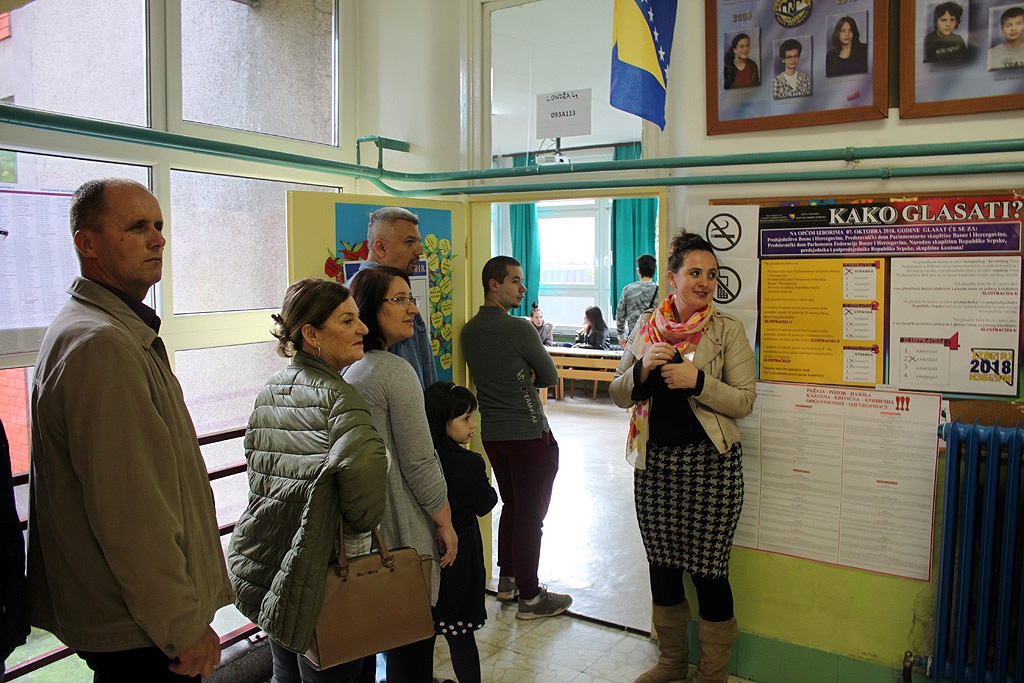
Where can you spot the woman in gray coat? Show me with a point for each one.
(417, 512)
(313, 459)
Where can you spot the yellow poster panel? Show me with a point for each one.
(822, 321)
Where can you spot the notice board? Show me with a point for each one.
(869, 313)
(913, 293)
(327, 238)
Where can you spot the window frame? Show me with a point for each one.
(166, 21)
(601, 212)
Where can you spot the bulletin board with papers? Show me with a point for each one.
(869, 313)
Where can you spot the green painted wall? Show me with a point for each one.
(850, 612)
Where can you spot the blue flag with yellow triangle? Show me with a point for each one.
(641, 47)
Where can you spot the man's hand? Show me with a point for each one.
(199, 659)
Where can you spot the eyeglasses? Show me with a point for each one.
(403, 300)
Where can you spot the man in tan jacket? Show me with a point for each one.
(125, 563)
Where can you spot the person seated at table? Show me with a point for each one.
(594, 333)
(545, 330)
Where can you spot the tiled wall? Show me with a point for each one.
(14, 413)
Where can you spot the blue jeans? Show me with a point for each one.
(292, 668)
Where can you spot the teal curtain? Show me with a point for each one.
(634, 231)
(525, 241)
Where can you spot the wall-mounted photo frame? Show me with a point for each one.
(961, 57)
(793, 63)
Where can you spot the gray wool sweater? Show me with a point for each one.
(501, 350)
(416, 485)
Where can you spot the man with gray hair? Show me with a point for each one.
(124, 558)
(393, 239)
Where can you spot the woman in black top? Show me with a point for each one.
(739, 70)
(594, 333)
(847, 55)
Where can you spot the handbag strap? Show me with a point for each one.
(654, 298)
(341, 568)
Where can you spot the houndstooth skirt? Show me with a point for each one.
(688, 502)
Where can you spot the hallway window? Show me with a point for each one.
(261, 67)
(575, 258)
(229, 241)
(85, 58)
(220, 383)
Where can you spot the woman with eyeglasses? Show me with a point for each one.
(417, 513)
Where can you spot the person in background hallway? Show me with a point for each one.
(688, 375)
(460, 603)
(942, 44)
(545, 330)
(13, 617)
(417, 513)
(636, 297)
(509, 364)
(740, 71)
(313, 460)
(847, 55)
(124, 557)
(594, 333)
(393, 239)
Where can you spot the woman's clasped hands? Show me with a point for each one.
(678, 373)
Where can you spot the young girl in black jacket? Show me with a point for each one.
(460, 603)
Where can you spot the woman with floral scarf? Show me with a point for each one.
(688, 374)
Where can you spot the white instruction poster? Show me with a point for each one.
(842, 475)
(955, 324)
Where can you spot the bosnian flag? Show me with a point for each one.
(641, 46)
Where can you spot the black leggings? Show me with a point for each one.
(412, 663)
(415, 662)
(465, 657)
(713, 595)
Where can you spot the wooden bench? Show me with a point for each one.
(585, 364)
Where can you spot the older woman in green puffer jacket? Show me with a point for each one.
(313, 459)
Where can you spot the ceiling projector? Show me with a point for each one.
(551, 158)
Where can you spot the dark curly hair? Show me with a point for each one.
(683, 244)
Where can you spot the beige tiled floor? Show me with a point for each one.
(562, 649)
(591, 546)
